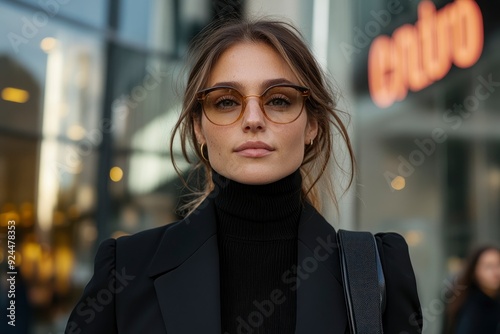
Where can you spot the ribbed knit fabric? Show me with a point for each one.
(257, 235)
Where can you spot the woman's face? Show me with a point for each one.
(488, 271)
(254, 150)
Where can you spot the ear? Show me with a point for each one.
(198, 131)
(311, 130)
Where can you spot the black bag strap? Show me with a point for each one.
(363, 280)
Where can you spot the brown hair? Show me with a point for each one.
(287, 41)
(465, 282)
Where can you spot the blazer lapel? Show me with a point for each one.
(186, 272)
(320, 296)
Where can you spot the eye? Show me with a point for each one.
(280, 101)
(225, 103)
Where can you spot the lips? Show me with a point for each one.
(254, 149)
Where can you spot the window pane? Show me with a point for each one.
(162, 25)
(51, 82)
(53, 210)
(92, 12)
(149, 23)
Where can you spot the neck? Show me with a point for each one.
(257, 232)
(492, 293)
(259, 212)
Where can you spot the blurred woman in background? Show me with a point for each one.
(477, 306)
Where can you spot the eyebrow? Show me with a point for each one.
(262, 86)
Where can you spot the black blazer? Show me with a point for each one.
(166, 280)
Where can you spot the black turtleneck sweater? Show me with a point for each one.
(257, 230)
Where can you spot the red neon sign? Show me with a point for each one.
(418, 55)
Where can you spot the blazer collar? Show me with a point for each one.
(185, 270)
(184, 238)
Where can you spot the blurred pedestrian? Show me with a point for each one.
(476, 308)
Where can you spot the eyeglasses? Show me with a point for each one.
(224, 105)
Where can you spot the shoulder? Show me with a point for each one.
(390, 240)
(139, 248)
(403, 311)
(395, 258)
(134, 250)
(145, 240)
(394, 252)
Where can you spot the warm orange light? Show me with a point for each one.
(64, 260)
(45, 266)
(398, 183)
(15, 95)
(414, 238)
(418, 55)
(9, 215)
(76, 132)
(19, 259)
(32, 253)
(48, 44)
(116, 174)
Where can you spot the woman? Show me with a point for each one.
(476, 309)
(253, 255)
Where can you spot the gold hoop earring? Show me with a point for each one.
(201, 151)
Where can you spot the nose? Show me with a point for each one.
(253, 115)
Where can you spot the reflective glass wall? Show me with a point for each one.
(88, 94)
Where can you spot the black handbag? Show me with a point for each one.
(363, 281)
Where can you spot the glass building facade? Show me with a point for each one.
(90, 90)
(427, 132)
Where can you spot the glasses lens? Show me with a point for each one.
(223, 106)
(282, 104)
